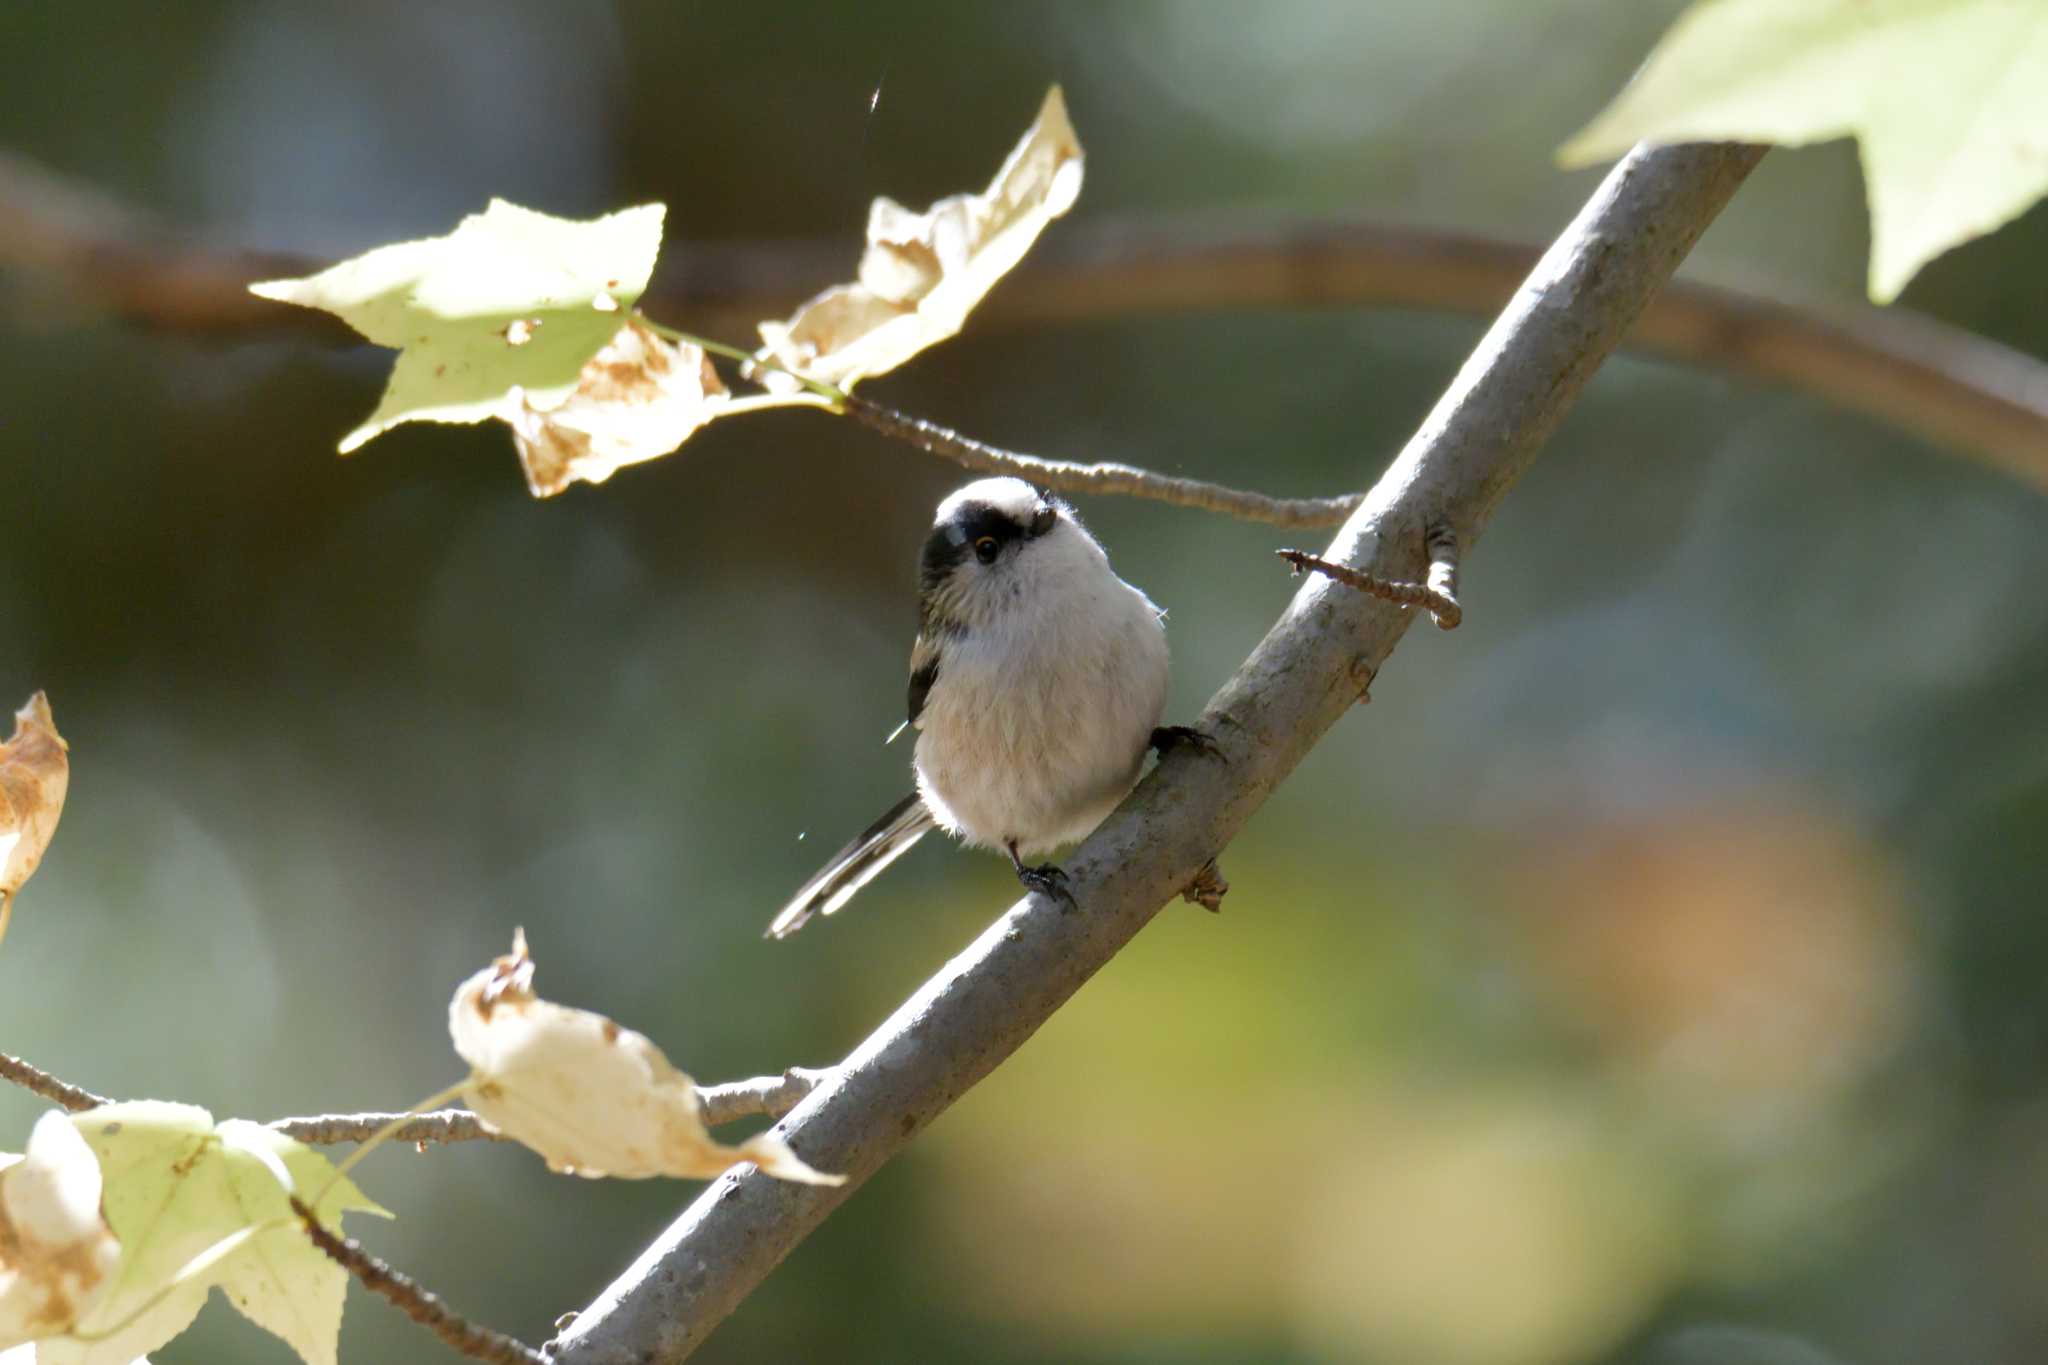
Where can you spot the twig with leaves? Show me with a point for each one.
(585, 1093)
(759, 1097)
(1966, 394)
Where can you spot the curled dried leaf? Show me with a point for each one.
(638, 398)
(922, 273)
(56, 1252)
(35, 772)
(592, 1098)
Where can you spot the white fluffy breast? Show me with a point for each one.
(1038, 721)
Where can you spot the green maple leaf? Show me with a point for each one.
(177, 1185)
(1948, 99)
(508, 307)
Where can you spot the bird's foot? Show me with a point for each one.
(1048, 881)
(1170, 737)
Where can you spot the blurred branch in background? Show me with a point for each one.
(1582, 297)
(1960, 391)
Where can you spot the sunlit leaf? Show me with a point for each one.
(56, 1253)
(1947, 97)
(638, 398)
(923, 272)
(496, 319)
(592, 1098)
(35, 772)
(179, 1186)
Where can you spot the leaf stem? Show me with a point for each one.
(830, 392)
(384, 1134)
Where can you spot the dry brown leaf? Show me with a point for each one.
(637, 399)
(923, 272)
(56, 1252)
(35, 772)
(592, 1098)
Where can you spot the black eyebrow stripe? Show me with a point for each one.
(976, 521)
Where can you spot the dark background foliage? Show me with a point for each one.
(1652, 973)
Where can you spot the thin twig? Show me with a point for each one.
(761, 1097)
(983, 1005)
(1207, 889)
(1443, 608)
(1062, 476)
(58, 1092)
(439, 1125)
(416, 1301)
(758, 1097)
(1442, 543)
(1964, 393)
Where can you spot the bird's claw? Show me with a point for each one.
(1169, 737)
(1048, 881)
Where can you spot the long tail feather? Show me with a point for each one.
(854, 866)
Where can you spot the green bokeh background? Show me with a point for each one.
(1652, 973)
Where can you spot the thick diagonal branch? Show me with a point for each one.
(1582, 297)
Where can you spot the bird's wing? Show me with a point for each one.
(924, 671)
(854, 866)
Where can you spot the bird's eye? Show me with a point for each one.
(985, 549)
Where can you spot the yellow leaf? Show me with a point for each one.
(592, 1098)
(56, 1253)
(1947, 98)
(922, 273)
(35, 772)
(498, 316)
(199, 1205)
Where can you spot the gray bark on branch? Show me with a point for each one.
(1582, 297)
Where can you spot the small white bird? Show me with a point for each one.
(1036, 686)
